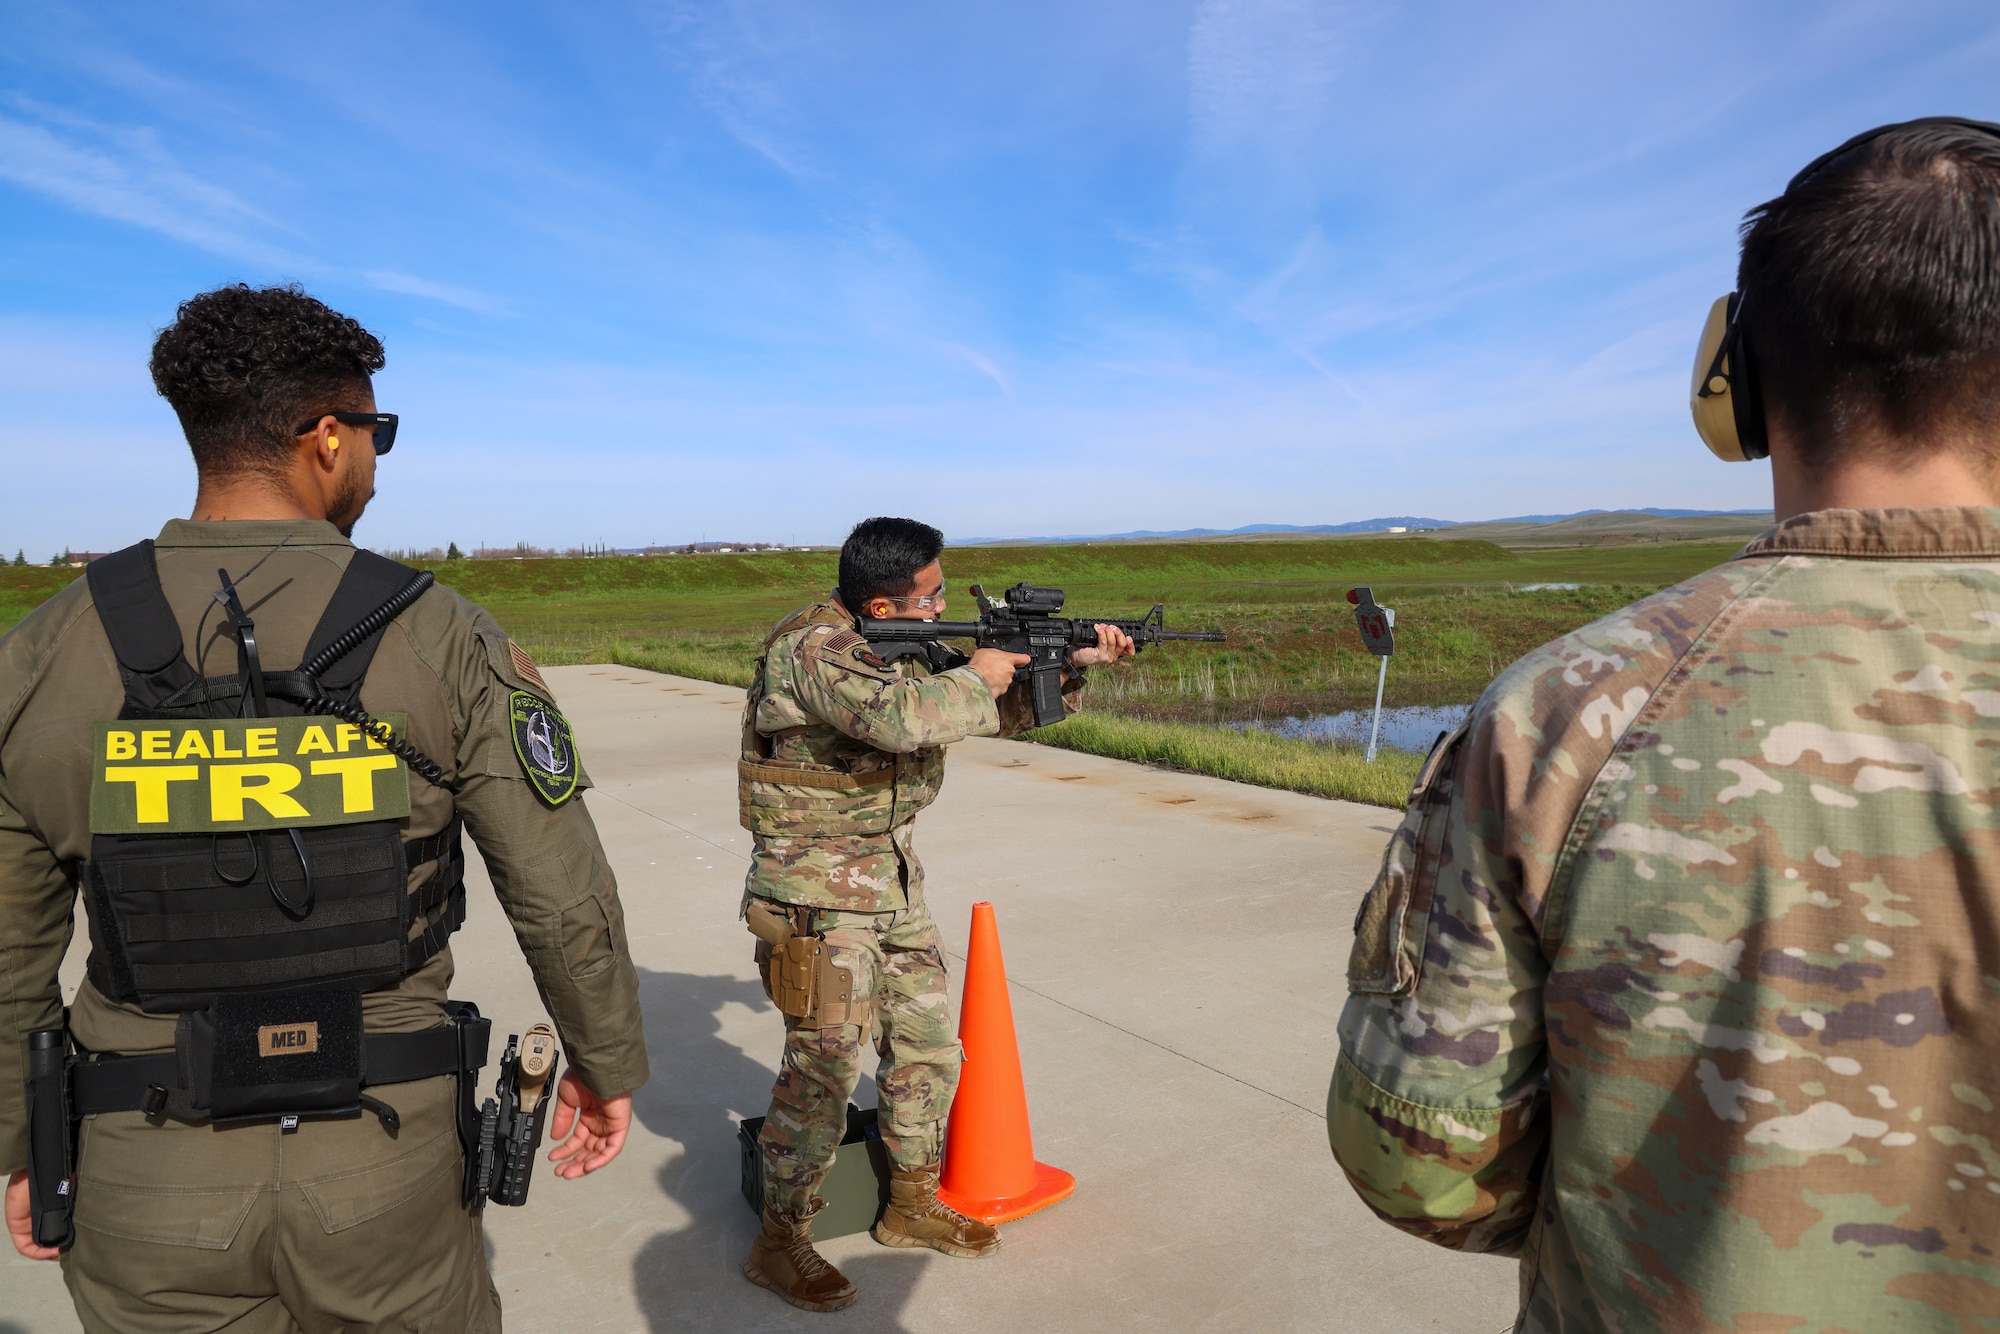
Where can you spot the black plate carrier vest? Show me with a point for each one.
(178, 921)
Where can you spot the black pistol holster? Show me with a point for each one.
(502, 1160)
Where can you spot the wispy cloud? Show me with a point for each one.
(1260, 71)
(982, 363)
(123, 173)
(728, 49)
(462, 297)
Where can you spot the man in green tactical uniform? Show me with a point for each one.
(274, 1127)
(841, 749)
(1681, 980)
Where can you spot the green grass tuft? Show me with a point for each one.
(1243, 757)
(699, 657)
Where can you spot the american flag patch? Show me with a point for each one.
(525, 665)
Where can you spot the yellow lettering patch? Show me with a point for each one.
(225, 775)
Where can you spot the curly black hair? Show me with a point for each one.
(242, 366)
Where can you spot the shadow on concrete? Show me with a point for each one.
(702, 1087)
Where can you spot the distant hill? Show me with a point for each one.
(1601, 526)
(1184, 534)
(1655, 513)
(1620, 522)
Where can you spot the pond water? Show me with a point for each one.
(1412, 729)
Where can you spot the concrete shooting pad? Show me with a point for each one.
(1175, 947)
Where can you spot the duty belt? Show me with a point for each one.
(62, 1088)
(156, 1084)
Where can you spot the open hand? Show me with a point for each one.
(21, 1219)
(600, 1124)
(1112, 644)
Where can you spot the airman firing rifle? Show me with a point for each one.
(1026, 621)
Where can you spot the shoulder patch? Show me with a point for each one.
(525, 665)
(843, 641)
(544, 745)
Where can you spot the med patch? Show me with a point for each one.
(544, 745)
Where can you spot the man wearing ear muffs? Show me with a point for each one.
(1681, 980)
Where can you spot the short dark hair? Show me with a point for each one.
(242, 366)
(1871, 292)
(881, 557)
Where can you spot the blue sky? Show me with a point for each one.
(756, 269)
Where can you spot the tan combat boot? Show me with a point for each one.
(783, 1260)
(917, 1217)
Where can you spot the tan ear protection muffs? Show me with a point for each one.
(1728, 411)
(1727, 405)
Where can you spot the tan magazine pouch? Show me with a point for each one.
(835, 982)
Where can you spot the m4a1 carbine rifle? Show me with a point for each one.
(1027, 621)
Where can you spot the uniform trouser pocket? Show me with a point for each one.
(338, 1225)
(171, 1223)
(171, 1184)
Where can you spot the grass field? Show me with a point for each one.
(1465, 609)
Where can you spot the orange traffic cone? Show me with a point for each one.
(990, 1172)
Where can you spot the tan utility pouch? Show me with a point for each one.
(835, 986)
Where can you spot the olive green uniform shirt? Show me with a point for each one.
(444, 662)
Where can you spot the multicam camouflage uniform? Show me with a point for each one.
(1681, 980)
(840, 752)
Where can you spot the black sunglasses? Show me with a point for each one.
(383, 422)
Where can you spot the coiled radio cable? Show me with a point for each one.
(420, 764)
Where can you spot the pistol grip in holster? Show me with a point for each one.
(509, 1134)
(51, 1139)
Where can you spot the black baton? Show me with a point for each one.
(51, 1139)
